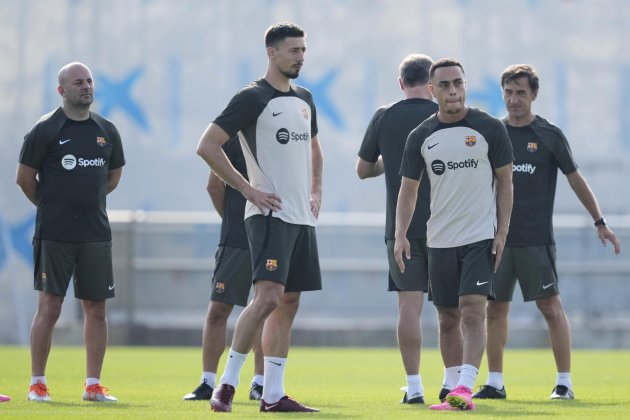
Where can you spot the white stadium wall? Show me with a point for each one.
(164, 70)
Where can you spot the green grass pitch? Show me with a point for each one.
(350, 383)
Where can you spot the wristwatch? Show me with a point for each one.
(600, 222)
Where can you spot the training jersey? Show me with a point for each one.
(540, 148)
(72, 159)
(459, 159)
(232, 225)
(275, 130)
(386, 136)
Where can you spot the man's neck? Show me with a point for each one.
(76, 114)
(417, 92)
(278, 81)
(451, 118)
(522, 121)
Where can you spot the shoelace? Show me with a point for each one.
(96, 389)
(39, 388)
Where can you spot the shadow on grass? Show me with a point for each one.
(80, 404)
(538, 408)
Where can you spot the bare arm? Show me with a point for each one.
(405, 207)
(209, 148)
(505, 199)
(26, 178)
(366, 169)
(587, 198)
(113, 177)
(317, 159)
(216, 190)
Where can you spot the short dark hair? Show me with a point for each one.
(516, 71)
(282, 30)
(414, 70)
(445, 62)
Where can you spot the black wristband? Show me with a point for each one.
(600, 222)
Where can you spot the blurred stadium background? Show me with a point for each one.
(164, 69)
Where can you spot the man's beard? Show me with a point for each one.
(290, 75)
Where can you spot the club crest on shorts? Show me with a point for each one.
(44, 277)
(101, 141)
(532, 146)
(471, 141)
(272, 265)
(219, 287)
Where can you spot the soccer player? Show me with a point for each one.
(381, 152)
(232, 279)
(277, 126)
(540, 148)
(70, 160)
(465, 155)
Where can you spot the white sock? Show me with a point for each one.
(209, 378)
(92, 381)
(233, 368)
(414, 386)
(468, 376)
(495, 379)
(273, 386)
(451, 377)
(564, 378)
(35, 379)
(258, 380)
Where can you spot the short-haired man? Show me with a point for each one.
(231, 282)
(540, 149)
(467, 157)
(381, 152)
(277, 126)
(70, 160)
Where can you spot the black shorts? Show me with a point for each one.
(232, 278)
(416, 275)
(462, 270)
(88, 263)
(535, 269)
(284, 253)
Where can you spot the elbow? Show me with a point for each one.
(361, 174)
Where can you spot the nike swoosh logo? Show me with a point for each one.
(432, 146)
(547, 286)
(64, 141)
(112, 287)
(275, 114)
(270, 406)
(275, 363)
(482, 283)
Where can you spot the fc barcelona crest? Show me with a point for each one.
(305, 113)
(219, 287)
(532, 146)
(272, 265)
(101, 141)
(471, 141)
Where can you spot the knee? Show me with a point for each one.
(472, 314)
(95, 310)
(49, 308)
(290, 302)
(551, 308)
(449, 320)
(218, 312)
(497, 311)
(267, 302)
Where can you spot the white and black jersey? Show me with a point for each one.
(540, 149)
(459, 159)
(275, 130)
